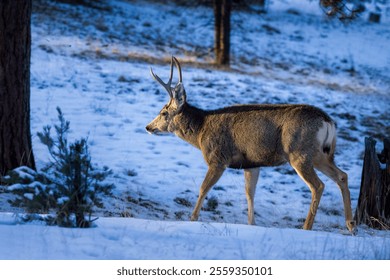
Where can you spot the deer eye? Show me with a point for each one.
(164, 114)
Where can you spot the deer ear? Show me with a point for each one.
(179, 95)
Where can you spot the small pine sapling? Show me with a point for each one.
(78, 183)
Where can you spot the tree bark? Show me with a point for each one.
(225, 32)
(373, 207)
(217, 29)
(15, 48)
(222, 13)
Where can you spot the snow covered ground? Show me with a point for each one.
(94, 63)
(132, 239)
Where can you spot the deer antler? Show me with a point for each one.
(178, 68)
(167, 85)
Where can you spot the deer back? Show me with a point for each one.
(247, 136)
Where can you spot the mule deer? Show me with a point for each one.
(250, 136)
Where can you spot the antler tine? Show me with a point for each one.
(170, 77)
(167, 85)
(178, 68)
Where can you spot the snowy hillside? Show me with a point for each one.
(94, 63)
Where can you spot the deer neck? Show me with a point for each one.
(189, 123)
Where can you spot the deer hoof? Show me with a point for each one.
(351, 225)
(194, 218)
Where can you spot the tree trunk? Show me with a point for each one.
(374, 199)
(217, 29)
(15, 48)
(222, 12)
(225, 32)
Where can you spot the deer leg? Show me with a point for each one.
(309, 176)
(329, 168)
(212, 176)
(251, 177)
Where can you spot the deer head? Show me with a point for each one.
(163, 123)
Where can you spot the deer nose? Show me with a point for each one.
(149, 128)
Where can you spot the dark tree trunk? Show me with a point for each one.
(225, 32)
(15, 48)
(222, 12)
(217, 29)
(374, 199)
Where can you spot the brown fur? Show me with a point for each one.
(251, 136)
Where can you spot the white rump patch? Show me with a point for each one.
(326, 134)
